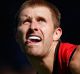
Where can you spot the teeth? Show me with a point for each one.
(34, 37)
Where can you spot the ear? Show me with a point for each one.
(57, 34)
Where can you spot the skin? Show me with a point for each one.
(34, 21)
(75, 62)
(38, 21)
(38, 26)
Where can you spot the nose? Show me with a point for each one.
(34, 26)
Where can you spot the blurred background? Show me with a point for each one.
(10, 53)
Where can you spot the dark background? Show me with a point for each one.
(10, 53)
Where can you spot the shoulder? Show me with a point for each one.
(66, 51)
(67, 45)
(75, 61)
(76, 56)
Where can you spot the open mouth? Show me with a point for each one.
(33, 39)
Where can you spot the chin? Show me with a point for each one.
(35, 53)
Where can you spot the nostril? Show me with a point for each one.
(36, 29)
(30, 31)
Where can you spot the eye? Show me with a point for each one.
(40, 19)
(27, 21)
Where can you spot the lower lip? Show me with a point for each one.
(31, 43)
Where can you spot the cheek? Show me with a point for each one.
(21, 33)
(48, 36)
(22, 28)
(48, 32)
(49, 39)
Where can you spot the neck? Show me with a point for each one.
(44, 65)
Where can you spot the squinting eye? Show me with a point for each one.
(27, 21)
(41, 20)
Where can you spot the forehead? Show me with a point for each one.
(36, 11)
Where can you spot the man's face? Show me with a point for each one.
(36, 30)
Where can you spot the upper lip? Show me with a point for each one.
(33, 35)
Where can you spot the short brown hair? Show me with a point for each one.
(53, 9)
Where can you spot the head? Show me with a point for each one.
(38, 27)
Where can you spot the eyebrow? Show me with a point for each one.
(28, 16)
(38, 17)
(41, 18)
